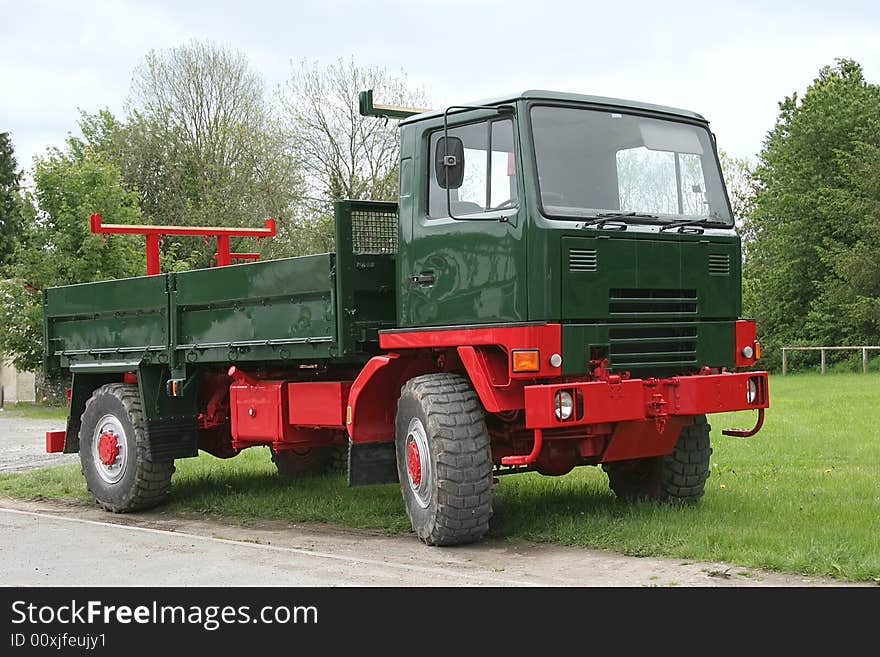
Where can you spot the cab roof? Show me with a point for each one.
(557, 96)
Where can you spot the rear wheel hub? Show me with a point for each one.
(108, 448)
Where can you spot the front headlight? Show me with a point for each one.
(564, 405)
(751, 391)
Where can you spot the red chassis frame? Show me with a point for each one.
(617, 418)
(613, 417)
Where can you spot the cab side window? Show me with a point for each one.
(489, 181)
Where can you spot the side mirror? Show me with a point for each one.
(449, 162)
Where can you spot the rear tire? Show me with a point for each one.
(444, 460)
(679, 477)
(337, 461)
(113, 449)
(309, 461)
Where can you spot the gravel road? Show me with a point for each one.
(23, 444)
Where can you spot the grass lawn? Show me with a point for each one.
(802, 496)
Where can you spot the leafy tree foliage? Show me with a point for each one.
(10, 207)
(209, 148)
(344, 154)
(21, 335)
(737, 173)
(200, 146)
(813, 248)
(57, 247)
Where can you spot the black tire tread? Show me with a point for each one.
(152, 480)
(678, 478)
(463, 458)
(318, 461)
(337, 460)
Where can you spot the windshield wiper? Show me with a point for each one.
(687, 222)
(601, 219)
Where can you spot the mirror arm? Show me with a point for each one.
(501, 109)
(445, 165)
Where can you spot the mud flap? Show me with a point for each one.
(372, 463)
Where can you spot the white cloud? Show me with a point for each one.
(110, 25)
(731, 62)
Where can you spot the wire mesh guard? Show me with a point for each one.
(373, 230)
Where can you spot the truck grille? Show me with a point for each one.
(653, 346)
(582, 260)
(643, 303)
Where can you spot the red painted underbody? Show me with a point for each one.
(286, 414)
(613, 417)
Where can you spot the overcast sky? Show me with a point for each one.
(730, 61)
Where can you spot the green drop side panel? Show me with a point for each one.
(110, 321)
(263, 311)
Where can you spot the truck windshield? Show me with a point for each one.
(594, 163)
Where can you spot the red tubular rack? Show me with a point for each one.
(152, 233)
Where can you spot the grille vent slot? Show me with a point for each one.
(583, 260)
(719, 264)
(653, 346)
(647, 303)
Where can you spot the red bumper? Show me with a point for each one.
(597, 402)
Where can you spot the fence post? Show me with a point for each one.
(784, 362)
(822, 351)
(864, 360)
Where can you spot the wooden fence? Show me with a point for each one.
(822, 350)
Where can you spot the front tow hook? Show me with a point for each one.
(745, 433)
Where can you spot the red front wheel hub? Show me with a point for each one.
(108, 448)
(414, 462)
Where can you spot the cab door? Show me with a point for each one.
(465, 260)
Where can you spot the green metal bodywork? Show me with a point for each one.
(277, 310)
(276, 313)
(514, 265)
(656, 302)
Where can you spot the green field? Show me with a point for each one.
(802, 496)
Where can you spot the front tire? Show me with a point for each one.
(444, 459)
(113, 448)
(679, 477)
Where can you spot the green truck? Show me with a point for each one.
(559, 284)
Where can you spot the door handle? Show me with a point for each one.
(425, 279)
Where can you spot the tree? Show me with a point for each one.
(738, 180)
(57, 247)
(10, 206)
(814, 253)
(21, 326)
(199, 144)
(345, 154)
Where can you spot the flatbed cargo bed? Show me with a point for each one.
(307, 308)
